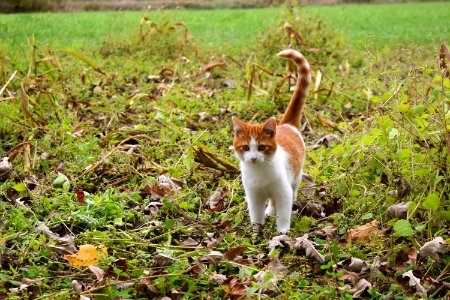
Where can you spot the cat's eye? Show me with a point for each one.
(261, 147)
(245, 148)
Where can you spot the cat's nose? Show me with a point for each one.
(253, 159)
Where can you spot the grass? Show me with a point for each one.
(124, 144)
(382, 25)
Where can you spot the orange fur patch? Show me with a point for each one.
(291, 142)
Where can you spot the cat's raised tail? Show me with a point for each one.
(293, 112)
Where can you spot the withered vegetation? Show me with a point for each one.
(125, 153)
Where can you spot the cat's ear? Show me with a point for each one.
(237, 126)
(270, 127)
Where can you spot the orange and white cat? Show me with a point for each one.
(271, 156)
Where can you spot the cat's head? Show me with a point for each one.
(254, 143)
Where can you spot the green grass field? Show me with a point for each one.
(120, 144)
(381, 25)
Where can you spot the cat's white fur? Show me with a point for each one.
(269, 177)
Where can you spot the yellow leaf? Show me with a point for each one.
(86, 256)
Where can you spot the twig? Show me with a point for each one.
(6, 84)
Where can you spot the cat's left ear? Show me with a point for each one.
(237, 126)
(270, 127)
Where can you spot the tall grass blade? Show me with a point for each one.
(83, 58)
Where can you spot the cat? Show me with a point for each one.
(271, 156)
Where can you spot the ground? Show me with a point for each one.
(118, 181)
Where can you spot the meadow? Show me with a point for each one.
(117, 180)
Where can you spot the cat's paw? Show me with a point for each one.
(270, 211)
(283, 230)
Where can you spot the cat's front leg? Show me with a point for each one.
(283, 204)
(256, 206)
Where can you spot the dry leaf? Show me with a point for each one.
(276, 267)
(317, 84)
(354, 264)
(365, 232)
(86, 256)
(399, 210)
(232, 253)
(327, 122)
(80, 196)
(308, 208)
(218, 278)
(168, 183)
(360, 288)
(78, 288)
(350, 276)
(329, 232)
(99, 273)
(327, 140)
(212, 257)
(5, 167)
(216, 200)
(235, 288)
(152, 209)
(307, 185)
(280, 240)
(212, 242)
(433, 248)
(188, 242)
(415, 282)
(308, 246)
(207, 158)
(162, 260)
(65, 244)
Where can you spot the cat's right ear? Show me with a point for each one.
(237, 126)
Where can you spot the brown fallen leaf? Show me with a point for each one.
(365, 232)
(308, 208)
(188, 242)
(211, 241)
(64, 245)
(280, 241)
(354, 264)
(170, 183)
(360, 288)
(327, 122)
(80, 196)
(213, 257)
(235, 289)
(415, 282)
(216, 200)
(217, 278)
(212, 65)
(405, 259)
(444, 57)
(152, 209)
(208, 159)
(327, 141)
(304, 243)
(162, 260)
(87, 255)
(433, 248)
(232, 253)
(99, 273)
(276, 268)
(5, 167)
(329, 232)
(399, 210)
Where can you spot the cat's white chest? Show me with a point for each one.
(266, 174)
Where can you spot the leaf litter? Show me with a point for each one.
(146, 173)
